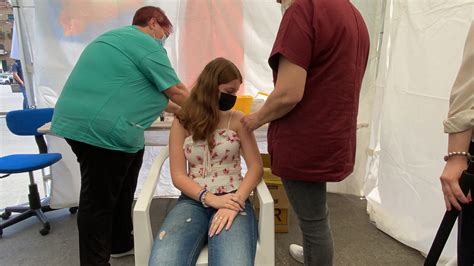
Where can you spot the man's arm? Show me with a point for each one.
(460, 126)
(18, 79)
(177, 94)
(289, 90)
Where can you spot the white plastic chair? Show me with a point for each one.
(143, 236)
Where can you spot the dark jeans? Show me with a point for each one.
(308, 200)
(108, 182)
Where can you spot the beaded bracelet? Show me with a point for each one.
(200, 193)
(203, 198)
(458, 153)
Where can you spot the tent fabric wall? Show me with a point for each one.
(422, 50)
(372, 11)
(254, 36)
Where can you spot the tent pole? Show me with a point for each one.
(379, 44)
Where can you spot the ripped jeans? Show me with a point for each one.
(185, 232)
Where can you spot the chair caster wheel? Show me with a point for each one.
(45, 229)
(73, 210)
(6, 215)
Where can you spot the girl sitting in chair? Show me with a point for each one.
(205, 143)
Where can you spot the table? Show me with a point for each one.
(155, 126)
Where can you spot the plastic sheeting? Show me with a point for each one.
(65, 27)
(422, 50)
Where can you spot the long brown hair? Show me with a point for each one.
(199, 115)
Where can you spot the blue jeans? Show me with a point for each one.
(25, 99)
(308, 200)
(185, 232)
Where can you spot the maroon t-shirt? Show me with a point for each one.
(316, 140)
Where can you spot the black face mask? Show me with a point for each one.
(226, 101)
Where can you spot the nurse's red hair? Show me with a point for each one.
(144, 14)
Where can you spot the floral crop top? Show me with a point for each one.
(219, 169)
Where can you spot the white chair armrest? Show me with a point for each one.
(142, 232)
(266, 227)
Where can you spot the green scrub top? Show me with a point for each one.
(115, 91)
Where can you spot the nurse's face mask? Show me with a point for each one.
(157, 31)
(161, 41)
(226, 101)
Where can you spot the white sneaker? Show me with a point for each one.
(296, 251)
(126, 253)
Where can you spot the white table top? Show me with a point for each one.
(155, 126)
(158, 133)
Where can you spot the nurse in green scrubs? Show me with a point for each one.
(121, 83)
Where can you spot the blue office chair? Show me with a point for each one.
(25, 123)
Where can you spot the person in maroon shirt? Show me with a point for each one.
(318, 61)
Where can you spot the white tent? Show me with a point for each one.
(416, 48)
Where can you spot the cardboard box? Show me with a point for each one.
(280, 199)
(275, 186)
(266, 160)
(282, 219)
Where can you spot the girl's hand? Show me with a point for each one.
(229, 201)
(239, 200)
(222, 218)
